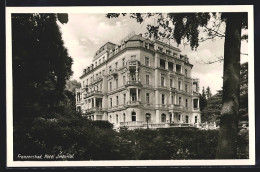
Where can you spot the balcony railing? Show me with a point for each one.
(113, 72)
(133, 83)
(132, 123)
(171, 72)
(94, 109)
(133, 103)
(172, 89)
(93, 93)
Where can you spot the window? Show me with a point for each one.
(178, 68)
(123, 62)
(124, 98)
(179, 100)
(162, 63)
(186, 72)
(104, 72)
(160, 49)
(186, 103)
(110, 84)
(170, 66)
(171, 83)
(147, 61)
(100, 87)
(99, 62)
(187, 119)
(133, 116)
(97, 76)
(179, 85)
(123, 80)
(124, 117)
(86, 83)
(103, 58)
(116, 65)
(116, 118)
(116, 82)
(147, 79)
(162, 81)
(195, 103)
(111, 103)
(147, 98)
(110, 69)
(117, 101)
(186, 87)
(172, 100)
(163, 118)
(96, 64)
(163, 97)
(196, 119)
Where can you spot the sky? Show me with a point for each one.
(84, 34)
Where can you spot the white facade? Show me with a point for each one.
(138, 84)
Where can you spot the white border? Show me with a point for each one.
(129, 9)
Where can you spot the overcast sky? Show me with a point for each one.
(84, 34)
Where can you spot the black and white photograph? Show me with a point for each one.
(130, 86)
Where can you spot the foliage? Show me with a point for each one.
(41, 66)
(203, 100)
(212, 111)
(174, 143)
(208, 92)
(243, 108)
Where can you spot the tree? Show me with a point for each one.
(211, 113)
(208, 93)
(203, 100)
(41, 66)
(180, 26)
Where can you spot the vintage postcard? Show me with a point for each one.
(130, 86)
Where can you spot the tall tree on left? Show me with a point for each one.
(41, 65)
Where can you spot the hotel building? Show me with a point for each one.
(138, 84)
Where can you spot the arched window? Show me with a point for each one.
(116, 118)
(124, 117)
(163, 118)
(133, 116)
(187, 119)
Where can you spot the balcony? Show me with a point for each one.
(133, 103)
(171, 72)
(178, 106)
(93, 110)
(162, 106)
(172, 89)
(196, 109)
(133, 83)
(93, 93)
(132, 64)
(113, 72)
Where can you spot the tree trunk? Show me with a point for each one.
(227, 139)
